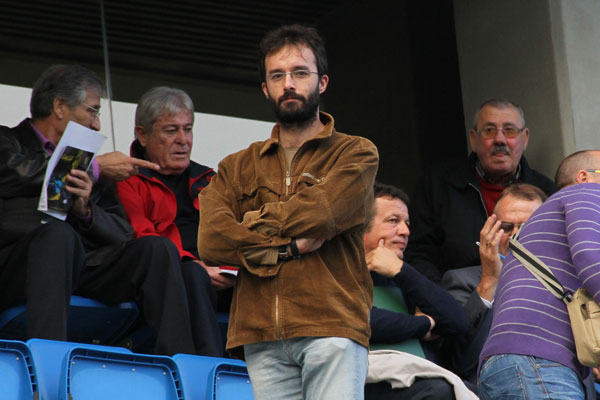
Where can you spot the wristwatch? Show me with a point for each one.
(283, 253)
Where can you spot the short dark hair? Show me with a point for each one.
(292, 35)
(390, 191)
(523, 191)
(566, 173)
(66, 82)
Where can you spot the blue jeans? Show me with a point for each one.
(514, 376)
(307, 368)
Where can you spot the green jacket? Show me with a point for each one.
(327, 194)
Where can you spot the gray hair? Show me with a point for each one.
(70, 83)
(161, 100)
(499, 103)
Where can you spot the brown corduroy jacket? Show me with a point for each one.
(326, 194)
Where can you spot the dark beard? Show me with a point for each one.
(297, 115)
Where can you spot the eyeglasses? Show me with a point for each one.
(94, 112)
(295, 75)
(509, 131)
(508, 227)
(595, 171)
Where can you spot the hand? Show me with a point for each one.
(428, 336)
(306, 245)
(218, 280)
(384, 261)
(117, 166)
(491, 264)
(80, 185)
(596, 373)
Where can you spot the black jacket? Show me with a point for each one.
(23, 164)
(418, 291)
(447, 212)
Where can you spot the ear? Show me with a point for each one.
(58, 106)
(582, 176)
(265, 89)
(323, 82)
(141, 135)
(472, 136)
(526, 133)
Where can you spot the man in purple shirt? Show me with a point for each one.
(92, 253)
(530, 352)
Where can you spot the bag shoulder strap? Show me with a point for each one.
(540, 270)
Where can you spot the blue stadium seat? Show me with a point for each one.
(48, 358)
(69, 370)
(89, 321)
(214, 378)
(98, 374)
(18, 376)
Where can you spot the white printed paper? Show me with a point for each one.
(76, 136)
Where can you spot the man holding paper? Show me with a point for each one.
(92, 253)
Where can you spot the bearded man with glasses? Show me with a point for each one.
(454, 199)
(290, 211)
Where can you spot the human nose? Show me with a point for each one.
(499, 137)
(288, 81)
(95, 124)
(181, 136)
(403, 229)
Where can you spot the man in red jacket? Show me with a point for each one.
(165, 202)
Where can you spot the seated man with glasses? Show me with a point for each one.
(43, 260)
(454, 199)
(474, 287)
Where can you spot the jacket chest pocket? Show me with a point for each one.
(308, 179)
(261, 190)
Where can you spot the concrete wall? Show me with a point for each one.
(581, 40)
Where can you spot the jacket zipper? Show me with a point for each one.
(480, 198)
(288, 183)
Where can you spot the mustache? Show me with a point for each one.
(500, 148)
(290, 95)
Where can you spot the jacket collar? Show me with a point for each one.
(462, 178)
(327, 131)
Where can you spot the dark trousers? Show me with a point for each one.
(40, 270)
(174, 300)
(428, 388)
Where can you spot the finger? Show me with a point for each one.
(78, 188)
(137, 162)
(489, 223)
(489, 235)
(497, 237)
(381, 242)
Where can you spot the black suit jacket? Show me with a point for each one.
(23, 164)
(462, 351)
